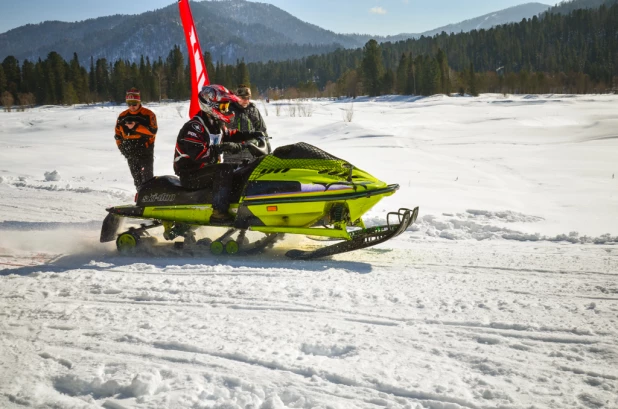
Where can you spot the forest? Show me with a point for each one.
(554, 53)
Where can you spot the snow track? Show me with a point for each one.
(477, 331)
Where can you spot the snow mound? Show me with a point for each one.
(480, 225)
(331, 351)
(142, 384)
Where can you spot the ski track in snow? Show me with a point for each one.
(142, 332)
(496, 298)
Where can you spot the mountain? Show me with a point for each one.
(229, 30)
(487, 21)
(289, 29)
(510, 15)
(566, 7)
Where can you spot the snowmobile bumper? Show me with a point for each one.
(113, 221)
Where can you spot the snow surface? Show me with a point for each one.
(502, 295)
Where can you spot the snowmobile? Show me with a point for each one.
(296, 189)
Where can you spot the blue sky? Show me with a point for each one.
(381, 17)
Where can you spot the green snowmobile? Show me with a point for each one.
(297, 189)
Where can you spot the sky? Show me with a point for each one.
(378, 17)
(459, 311)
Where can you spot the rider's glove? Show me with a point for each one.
(229, 147)
(258, 134)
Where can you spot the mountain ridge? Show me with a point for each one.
(230, 30)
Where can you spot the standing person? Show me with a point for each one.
(247, 118)
(135, 132)
(199, 144)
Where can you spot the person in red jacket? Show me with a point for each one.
(200, 143)
(135, 133)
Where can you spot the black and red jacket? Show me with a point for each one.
(198, 141)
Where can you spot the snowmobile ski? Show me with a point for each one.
(362, 238)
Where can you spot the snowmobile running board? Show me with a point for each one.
(363, 238)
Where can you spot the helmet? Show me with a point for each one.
(215, 101)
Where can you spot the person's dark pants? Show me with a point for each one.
(218, 177)
(141, 168)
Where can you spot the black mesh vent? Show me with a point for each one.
(301, 156)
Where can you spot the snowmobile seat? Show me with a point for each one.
(167, 191)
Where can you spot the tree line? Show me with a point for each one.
(555, 53)
(563, 53)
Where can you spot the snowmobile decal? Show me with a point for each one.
(159, 197)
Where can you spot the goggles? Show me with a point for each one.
(224, 106)
(132, 104)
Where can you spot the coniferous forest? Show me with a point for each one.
(555, 53)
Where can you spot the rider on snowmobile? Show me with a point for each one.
(200, 143)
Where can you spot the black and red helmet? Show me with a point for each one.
(215, 101)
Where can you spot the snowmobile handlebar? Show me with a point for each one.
(257, 149)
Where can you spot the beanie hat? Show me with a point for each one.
(243, 91)
(133, 95)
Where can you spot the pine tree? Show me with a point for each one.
(445, 81)
(12, 74)
(138, 81)
(69, 94)
(401, 86)
(372, 68)
(143, 80)
(219, 75)
(39, 75)
(412, 70)
(102, 80)
(119, 81)
(151, 81)
(210, 68)
(55, 68)
(92, 81)
(79, 78)
(387, 82)
(28, 77)
(2, 80)
(422, 79)
(159, 72)
(349, 84)
(177, 78)
(242, 74)
(230, 77)
(472, 81)
(433, 77)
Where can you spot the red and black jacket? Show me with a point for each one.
(198, 141)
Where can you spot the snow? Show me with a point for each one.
(502, 295)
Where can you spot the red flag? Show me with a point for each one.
(199, 75)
